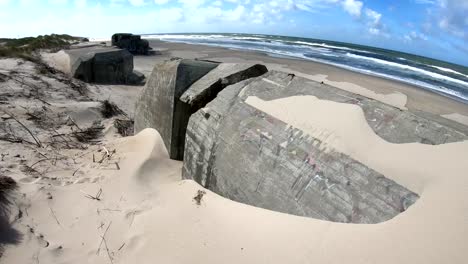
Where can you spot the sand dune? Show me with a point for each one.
(147, 214)
(152, 217)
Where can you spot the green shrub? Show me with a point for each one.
(24, 47)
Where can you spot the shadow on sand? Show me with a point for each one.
(8, 235)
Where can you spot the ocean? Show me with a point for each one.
(441, 77)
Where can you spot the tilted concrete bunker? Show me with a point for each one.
(133, 43)
(103, 65)
(166, 93)
(251, 157)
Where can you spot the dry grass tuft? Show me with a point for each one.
(109, 109)
(90, 134)
(124, 127)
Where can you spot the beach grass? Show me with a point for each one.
(25, 47)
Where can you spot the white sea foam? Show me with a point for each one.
(328, 46)
(235, 43)
(248, 38)
(448, 70)
(407, 67)
(177, 36)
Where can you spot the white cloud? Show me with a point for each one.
(28, 3)
(80, 3)
(192, 3)
(353, 7)
(137, 2)
(373, 16)
(414, 36)
(117, 3)
(192, 16)
(427, 2)
(453, 17)
(373, 22)
(58, 2)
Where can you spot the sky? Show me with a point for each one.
(432, 28)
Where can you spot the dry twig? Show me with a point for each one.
(55, 217)
(26, 128)
(96, 197)
(103, 236)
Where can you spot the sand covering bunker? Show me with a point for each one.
(429, 232)
(152, 216)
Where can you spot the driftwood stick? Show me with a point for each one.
(108, 155)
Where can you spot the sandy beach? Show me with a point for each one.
(122, 200)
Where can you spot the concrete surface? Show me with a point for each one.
(248, 156)
(206, 89)
(159, 106)
(103, 65)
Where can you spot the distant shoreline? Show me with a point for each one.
(419, 99)
(346, 67)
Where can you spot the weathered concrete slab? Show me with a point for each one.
(102, 65)
(159, 106)
(248, 156)
(206, 89)
(133, 43)
(390, 123)
(179, 88)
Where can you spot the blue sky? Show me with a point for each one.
(434, 28)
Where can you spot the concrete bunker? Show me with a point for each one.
(179, 88)
(103, 65)
(248, 156)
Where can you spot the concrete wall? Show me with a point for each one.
(159, 106)
(248, 156)
(179, 88)
(102, 65)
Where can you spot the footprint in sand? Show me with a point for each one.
(42, 242)
(39, 237)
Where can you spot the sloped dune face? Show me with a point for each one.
(148, 214)
(177, 229)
